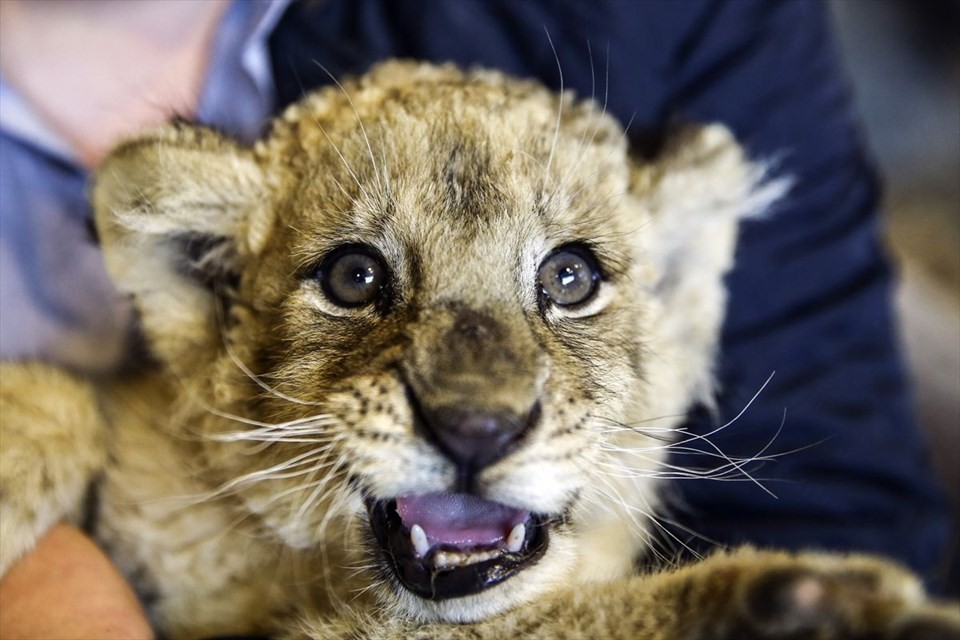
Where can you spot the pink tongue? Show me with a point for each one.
(459, 519)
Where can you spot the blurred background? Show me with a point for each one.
(903, 57)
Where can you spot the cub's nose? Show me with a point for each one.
(476, 439)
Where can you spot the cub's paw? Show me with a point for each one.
(831, 597)
(52, 434)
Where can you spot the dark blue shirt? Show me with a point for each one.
(810, 295)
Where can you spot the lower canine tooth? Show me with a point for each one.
(515, 539)
(419, 540)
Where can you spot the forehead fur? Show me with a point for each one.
(421, 157)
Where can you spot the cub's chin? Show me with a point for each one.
(459, 557)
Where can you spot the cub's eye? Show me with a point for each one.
(569, 276)
(353, 276)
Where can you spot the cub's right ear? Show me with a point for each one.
(178, 211)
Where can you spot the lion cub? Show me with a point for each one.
(395, 347)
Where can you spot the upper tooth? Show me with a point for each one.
(515, 539)
(419, 540)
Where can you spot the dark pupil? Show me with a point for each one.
(567, 275)
(364, 275)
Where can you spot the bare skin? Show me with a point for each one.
(93, 599)
(94, 71)
(97, 71)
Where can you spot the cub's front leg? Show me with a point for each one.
(744, 595)
(766, 595)
(52, 443)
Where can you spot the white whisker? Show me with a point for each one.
(363, 130)
(556, 132)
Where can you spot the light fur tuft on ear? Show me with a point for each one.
(696, 192)
(174, 209)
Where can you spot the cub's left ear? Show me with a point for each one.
(178, 211)
(696, 192)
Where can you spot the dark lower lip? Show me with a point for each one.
(427, 581)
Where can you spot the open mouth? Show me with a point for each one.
(447, 545)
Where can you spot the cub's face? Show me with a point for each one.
(430, 308)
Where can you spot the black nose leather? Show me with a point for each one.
(476, 439)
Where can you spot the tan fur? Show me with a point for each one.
(230, 474)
